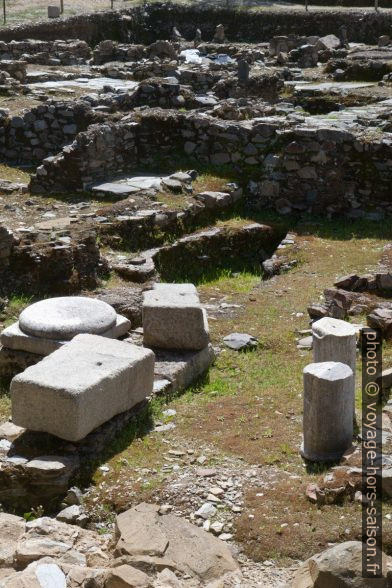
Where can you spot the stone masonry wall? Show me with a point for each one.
(103, 150)
(30, 264)
(44, 52)
(147, 23)
(287, 167)
(245, 26)
(38, 133)
(92, 28)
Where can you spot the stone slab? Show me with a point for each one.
(181, 369)
(14, 338)
(64, 317)
(55, 224)
(173, 318)
(81, 386)
(115, 189)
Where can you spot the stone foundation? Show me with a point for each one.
(312, 166)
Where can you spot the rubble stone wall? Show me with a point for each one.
(287, 167)
(147, 23)
(92, 28)
(31, 265)
(38, 133)
(104, 150)
(245, 26)
(42, 52)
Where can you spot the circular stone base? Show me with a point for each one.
(63, 318)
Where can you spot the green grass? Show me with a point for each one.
(16, 304)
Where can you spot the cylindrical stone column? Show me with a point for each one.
(328, 411)
(334, 340)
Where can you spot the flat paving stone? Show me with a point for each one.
(115, 189)
(64, 317)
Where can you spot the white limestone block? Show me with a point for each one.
(173, 318)
(81, 386)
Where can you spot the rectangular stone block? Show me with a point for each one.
(53, 12)
(81, 386)
(173, 318)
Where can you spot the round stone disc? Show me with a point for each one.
(63, 318)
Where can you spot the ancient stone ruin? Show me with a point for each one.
(182, 188)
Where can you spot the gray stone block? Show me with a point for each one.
(173, 318)
(53, 12)
(81, 386)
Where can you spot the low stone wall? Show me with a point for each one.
(34, 264)
(196, 256)
(321, 170)
(111, 51)
(145, 24)
(7, 241)
(38, 133)
(16, 69)
(102, 151)
(157, 21)
(46, 52)
(290, 166)
(92, 28)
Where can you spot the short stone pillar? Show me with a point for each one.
(197, 40)
(243, 71)
(176, 35)
(328, 411)
(334, 340)
(53, 12)
(219, 36)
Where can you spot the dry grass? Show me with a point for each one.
(13, 174)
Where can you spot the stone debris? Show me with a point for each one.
(340, 566)
(240, 341)
(142, 531)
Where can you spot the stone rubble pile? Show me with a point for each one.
(165, 550)
(354, 295)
